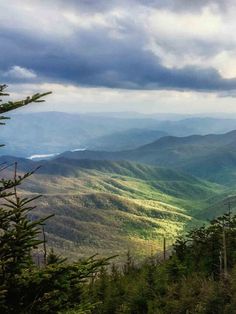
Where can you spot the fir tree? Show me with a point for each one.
(24, 287)
(18, 235)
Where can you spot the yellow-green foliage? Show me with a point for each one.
(111, 207)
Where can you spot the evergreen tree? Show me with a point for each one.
(24, 287)
(190, 281)
(18, 235)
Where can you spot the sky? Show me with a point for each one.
(176, 56)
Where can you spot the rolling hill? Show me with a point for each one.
(110, 207)
(113, 201)
(211, 157)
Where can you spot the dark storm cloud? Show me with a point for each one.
(174, 5)
(93, 58)
(98, 56)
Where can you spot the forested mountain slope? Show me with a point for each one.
(109, 207)
(211, 157)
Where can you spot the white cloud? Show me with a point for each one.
(17, 72)
(179, 38)
(175, 25)
(69, 98)
(85, 21)
(202, 37)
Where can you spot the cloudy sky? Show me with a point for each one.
(118, 55)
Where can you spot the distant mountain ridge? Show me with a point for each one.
(211, 157)
(55, 132)
(130, 139)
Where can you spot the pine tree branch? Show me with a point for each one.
(11, 105)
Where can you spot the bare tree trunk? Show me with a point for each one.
(164, 248)
(224, 253)
(44, 247)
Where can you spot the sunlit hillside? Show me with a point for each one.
(111, 207)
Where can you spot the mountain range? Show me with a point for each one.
(55, 132)
(211, 157)
(109, 207)
(136, 185)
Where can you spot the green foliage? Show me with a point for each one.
(204, 248)
(53, 258)
(12, 105)
(125, 204)
(198, 277)
(185, 283)
(52, 288)
(211, 157)
(24, 287)
(18, 235)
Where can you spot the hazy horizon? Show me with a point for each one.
(131, 114)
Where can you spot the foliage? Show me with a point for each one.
(127, 205)
(198, 277)
(25, 287)
(204, 248)
(18, 235)
(52, 288)
(12, 105)
(190, 281)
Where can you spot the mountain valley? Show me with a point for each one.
(111, 207)
(114, 200)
